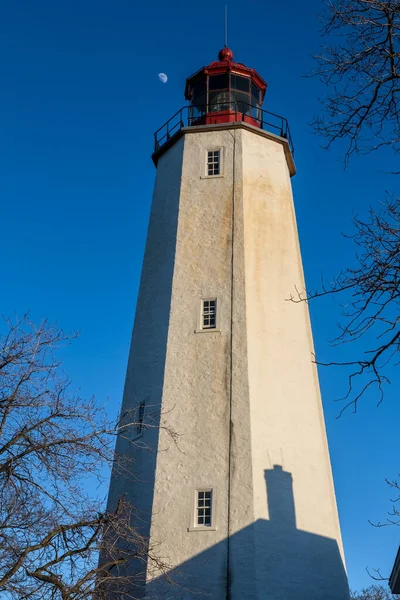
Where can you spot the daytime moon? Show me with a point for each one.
(162, 77)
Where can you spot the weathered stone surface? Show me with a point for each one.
(245, 399)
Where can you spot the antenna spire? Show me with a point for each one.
(226, 25)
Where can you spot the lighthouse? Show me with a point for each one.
(233, 486)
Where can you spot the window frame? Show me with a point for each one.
(194, 526)
(200, 316)
(209, 313)
(205, 174)
(140, 415)
(215, 163)
(209, 84)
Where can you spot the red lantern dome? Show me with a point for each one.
(218, 92)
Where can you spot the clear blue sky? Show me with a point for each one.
(80, 100)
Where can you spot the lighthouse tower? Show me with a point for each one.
(233, 485)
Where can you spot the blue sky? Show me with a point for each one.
(80, 101)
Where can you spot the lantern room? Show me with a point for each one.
(219, 92)
(224, 92)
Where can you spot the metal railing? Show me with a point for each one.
(233, 112)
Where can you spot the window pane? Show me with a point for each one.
(199, 89)
(256, 110)
(219, 101)
(218, 82)
(255, 91)
(241, 102)
(200, 102)
(240, 83)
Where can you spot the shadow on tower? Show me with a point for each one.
(268, 560)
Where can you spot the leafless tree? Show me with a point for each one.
(360, 66)
(52, 443)
(393, 516)
(370, 304)
(374, 592)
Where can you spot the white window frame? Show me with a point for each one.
(194, 515)
(200, 314)
(205, 175)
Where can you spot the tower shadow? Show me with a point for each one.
(268, 560)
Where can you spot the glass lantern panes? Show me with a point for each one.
(225, 93)
(240, 83)
(240, 101)
(203, 508)
(219, 101)
(256, 112)
(199, 98)
(199, 106)
(255, 92)
(199, 89)
(218, 82)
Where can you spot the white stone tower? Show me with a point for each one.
(243, 506)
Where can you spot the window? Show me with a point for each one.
(203, 512)
(213, 162)
(218, 82)
(199, 98)
(241, 102)
(213, 165)
(219, 101)
(209, 314)
(240, 83)
(139, 425)
(203, 508)
(208, 311)
(255, 92)
(199, 89)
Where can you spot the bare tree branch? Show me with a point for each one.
(57, 541)
(360, 65)
(393, 516)
(370, 301)
(374, 592)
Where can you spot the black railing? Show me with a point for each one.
(229, 112)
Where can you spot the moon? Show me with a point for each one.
(162, 77)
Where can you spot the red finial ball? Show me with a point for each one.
(225, 54)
